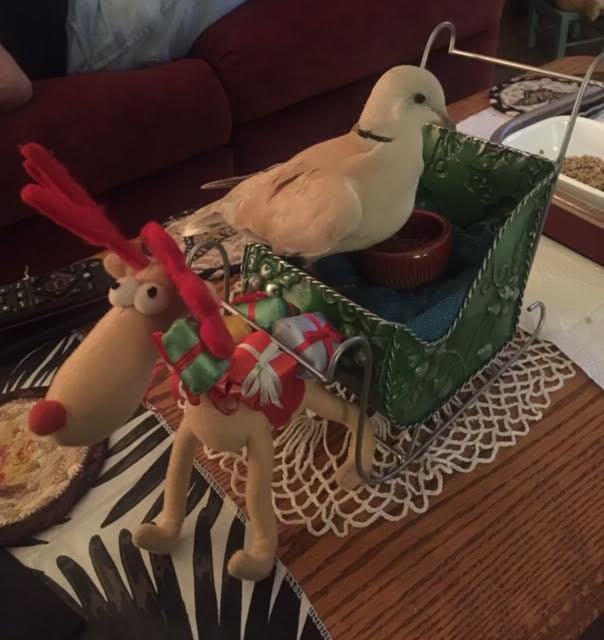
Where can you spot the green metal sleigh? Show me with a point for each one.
(384, 363)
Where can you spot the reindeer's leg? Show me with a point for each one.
(256, 562)
(330, 407)
(163, 537)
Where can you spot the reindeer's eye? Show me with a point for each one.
(122, 291)
(419, 98)
(151, 298)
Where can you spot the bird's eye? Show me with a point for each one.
(121, 293)
(419, 98)
(151, 299)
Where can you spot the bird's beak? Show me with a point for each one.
(446, 119)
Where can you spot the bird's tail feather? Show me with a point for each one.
(225, 183)
(233, 181)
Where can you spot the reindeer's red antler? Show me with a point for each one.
(192, 289)
(59, 197)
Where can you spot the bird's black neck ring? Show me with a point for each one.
(366, 133)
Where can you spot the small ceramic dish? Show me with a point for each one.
(414, 256)
(544, 138)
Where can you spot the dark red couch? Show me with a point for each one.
(262, 83)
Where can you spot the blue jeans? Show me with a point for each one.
(130, 34)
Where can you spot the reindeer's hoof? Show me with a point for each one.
(245, 566)
(155, 539)
(347, 476)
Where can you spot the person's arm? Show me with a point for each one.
(15, 86)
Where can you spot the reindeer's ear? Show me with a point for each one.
(115, 266)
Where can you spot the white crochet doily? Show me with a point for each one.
(307, 453)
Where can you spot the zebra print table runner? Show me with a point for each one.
(124, 592)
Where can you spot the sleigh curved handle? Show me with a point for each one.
(226, 263)
(586, 81)
(519, 66)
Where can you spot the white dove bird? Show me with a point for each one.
(345, 194)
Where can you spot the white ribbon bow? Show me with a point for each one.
(263, 377)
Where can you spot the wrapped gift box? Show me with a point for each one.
(263, 377)
(264, 310)
(183, 350)
(311, 336)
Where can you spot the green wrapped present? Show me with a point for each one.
(183, 350)
(264, 310)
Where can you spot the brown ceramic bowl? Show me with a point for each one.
(414, 256)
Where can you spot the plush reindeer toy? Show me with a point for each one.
(102, 383)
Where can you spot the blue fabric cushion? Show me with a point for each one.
(430, 310)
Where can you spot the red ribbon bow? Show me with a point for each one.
(226, 395)
(322, 332)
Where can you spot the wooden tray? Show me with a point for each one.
(576, 225)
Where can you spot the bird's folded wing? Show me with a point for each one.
(294, 209)
(304, 214)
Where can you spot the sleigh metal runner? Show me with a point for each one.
(383, 363)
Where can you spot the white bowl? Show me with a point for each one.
(545, 138)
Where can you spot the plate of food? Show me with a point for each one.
(527, 93)
(582, 173)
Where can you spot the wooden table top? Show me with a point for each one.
(513, 550)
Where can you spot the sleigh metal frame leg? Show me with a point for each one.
(416, 448)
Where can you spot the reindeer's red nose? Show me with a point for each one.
(46, 417)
